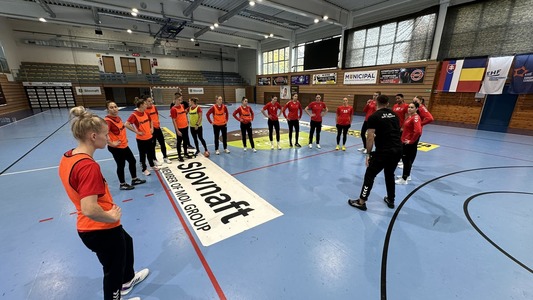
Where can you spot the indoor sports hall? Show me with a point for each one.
(274, 223)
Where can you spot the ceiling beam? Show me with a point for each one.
(46, 8)
(187, 11)
(233, 12)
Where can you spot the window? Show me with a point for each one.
(4, 68)
(276, 61)
(395, 42)
(300, 50)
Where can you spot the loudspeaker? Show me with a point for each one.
(98, 32)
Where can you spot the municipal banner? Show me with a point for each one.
(449, 75)
(496, 75)
(522, 80)
(361, 77)
(216, 205)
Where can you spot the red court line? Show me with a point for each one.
(73, 213)
(127, 200)
(44, 220)
(287, 161)
(212, 277)
(148, 195)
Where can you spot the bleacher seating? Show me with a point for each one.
(57, 72)
(228, 78)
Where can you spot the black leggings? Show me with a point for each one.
(408, 157)
(318, 126)
(247, 129)
(296, 125)
(344, 130)
(158, 136)
(198, 134)
(378, 162)
(273, 125)
(146, 149)
(121, 155)
(183, 139)
(217, 129)
(363, 133)
(114, 249)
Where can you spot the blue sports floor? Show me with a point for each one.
(461, 228)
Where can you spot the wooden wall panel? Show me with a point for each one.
(523, 113)
(210, 92)
(456, 108)
(333, 94)
(15, 96)
(90, 100)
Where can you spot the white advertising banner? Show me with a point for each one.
(47, 84)
(216, 205)
(496, 75)
(88, 90)
(361, 77)
(196, 91)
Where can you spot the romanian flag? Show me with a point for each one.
(471, 75)
(449, 75)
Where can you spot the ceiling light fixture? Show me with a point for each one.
(252, 3)
(266, 36)
(239, 45)
(192, 39)
(216, 24)
(325, 17)
(129, 31)
(271, 35)
(317, 20)
(42, 19)
(134, 10)
(133, 13)
(212, 27)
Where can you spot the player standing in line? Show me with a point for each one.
(220, 114)
(245, 115)
(273, 111)
(293, 118)
(318, 110)
(412, 129)
(140, 123)
(343, 122)
(152, 111)
(195, 118)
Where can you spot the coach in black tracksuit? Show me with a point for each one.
(384, 129)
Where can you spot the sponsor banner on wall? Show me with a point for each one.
(300, 79)
(402, 75)
(280, 80)
(88, 90)
(284, 92)
(522, 80)
(496, 75)
(325, 78)
(263, 81)
(47, 83)
(361, 77)
(294, 90)
(216, 205)
(196, 91)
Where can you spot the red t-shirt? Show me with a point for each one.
(133, 120)
(412, 129)
(400, 110)
(272, 110)
(425, 115)
(112, 126)
(369, 109)
(245, 115)
(344, 115)
(295, 110)
(86, 178)
(317, 108)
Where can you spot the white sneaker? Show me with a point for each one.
(139, 276)
(157, 163)
(361, 149)
(271, 146)
(134, 298)
(226, 150)
(401, 181)
(400, 163)
(253, 149)
(318, 146)
(217, 152)
(400, 176)
(279, 147)
(310, 146)
(244, 149)
(146, 172)
(167, 160)
(155, 168)
(400, 166)
(365, 152)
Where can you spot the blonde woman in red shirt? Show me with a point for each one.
(245, 115)
(98, 222)
(343, 120)
(293, 118)
(139, 122)
(117, 144)
(412, 130)
(220, 114)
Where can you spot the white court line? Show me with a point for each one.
(42, 169)
(24, 118)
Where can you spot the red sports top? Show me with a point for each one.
(295, 110)
(141, 121)
(425, 115)
(220, 115)
(179, 116)
(246, 115)
(81, 177)
(272, 110)
(401, 111)
(370, 108)
(412, 129)
(117, 131)
(317, 108)
(153, 113)
(344, 115)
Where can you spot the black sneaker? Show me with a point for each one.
(180, 159)
(390, 204)
(298, 145)
(137, 181)
(290, 145)
(187, 156)
(356, 204)
(126, 187)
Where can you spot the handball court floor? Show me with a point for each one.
(461, 229)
